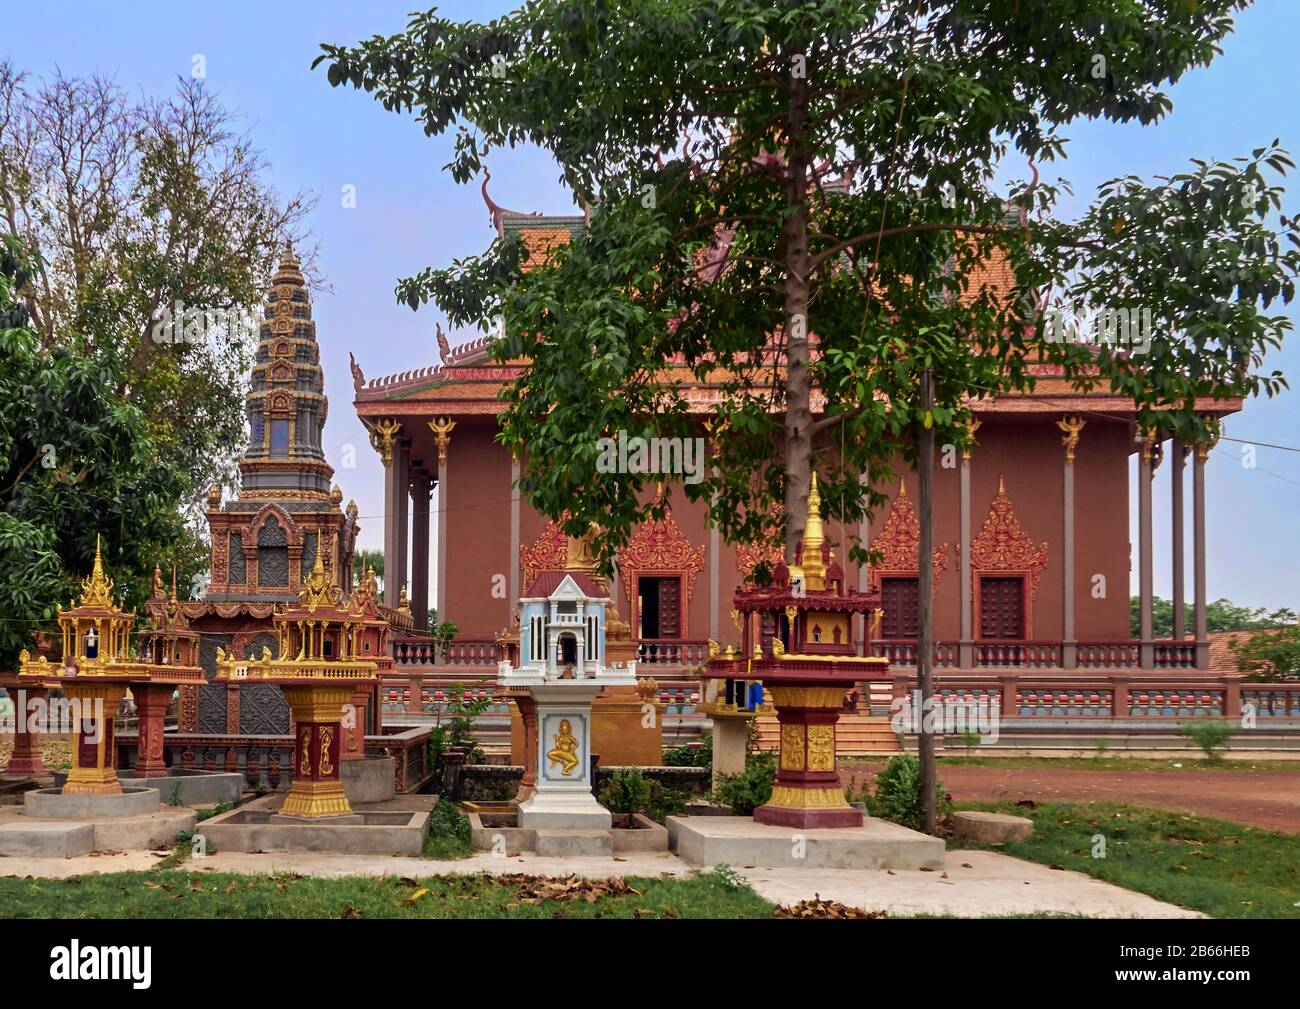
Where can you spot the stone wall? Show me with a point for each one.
(499, 782)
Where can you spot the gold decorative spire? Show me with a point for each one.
(317, 590)
(814, 570)
(97, 590)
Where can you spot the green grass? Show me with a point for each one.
(177, 894)
(1226, 870)
(1190, 762)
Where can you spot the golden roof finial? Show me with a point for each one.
(814, 570)
(97, 590)
(1002, 487)
(317, 590)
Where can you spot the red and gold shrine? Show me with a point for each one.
(797, 640)
(322, 664)
(95, 672)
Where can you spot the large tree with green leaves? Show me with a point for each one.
(797, 201)
(75, 461)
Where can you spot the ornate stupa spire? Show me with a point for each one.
(814, 537)
(97, 590)
(286, 403)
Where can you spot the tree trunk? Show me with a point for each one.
(798, 390)
(925, 603)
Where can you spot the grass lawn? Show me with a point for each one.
(1190, 762)
(178, 894)
(1226, 870)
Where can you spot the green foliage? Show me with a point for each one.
(449, 832)
(454, 728)
(223, 806)
(745, 792)
(1270, 656)
(913, 105)
(628, 791)
(444, 633)
(175, 798)
(729, 877)
(898, 793)
(691, 756)
(1220, 615)
(1211, 735)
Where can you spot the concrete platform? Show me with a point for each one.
(741, 843)
(370, 779)
(573, 843)
(498, 831)
(22, 836)
(197, 787)
(396, 827)
(52, 804)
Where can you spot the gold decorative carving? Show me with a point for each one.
(442, 428)
(899, 541)
(386, 428)
(660, 546)
(326, 739)
(807, 798)
(750, 555)
(821, 747)
(564, 749)
(549, 552)
(792, 739)
(1002, 545)
(1072, 426)
(97, 590)
(304, 745)
(971, 426)
(1148, 441)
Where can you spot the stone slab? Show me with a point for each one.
(198, 787)
(397, 827)
(740, 842)
(371, 779)
(648, 837)
(991, 828)
(23, 836)
(27, 838)
(145, 833)
(573, 843)
(51, 804)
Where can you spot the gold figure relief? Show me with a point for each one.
(442, 428)
(564, 749)
(304, 745)
(326, 766)
(1071, 426)
(821, 747)
(792, 740)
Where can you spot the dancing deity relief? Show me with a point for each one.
(565, 751)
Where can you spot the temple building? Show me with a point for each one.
(285, 520)
(1032, 558)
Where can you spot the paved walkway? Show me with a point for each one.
(972, 884)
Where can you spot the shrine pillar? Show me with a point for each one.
(402, 454)
(966, 641)
(1072, 426)
(1177, 548)
(1198, 555)
(442, 428)
(25, 758)
(394, 495)
(421, 488)
(151, 703)
(1146, 651)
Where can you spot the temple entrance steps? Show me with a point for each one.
(856, 735)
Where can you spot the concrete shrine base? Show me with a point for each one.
(197, 787)
(53, 804)
(369, 779)
(396, 827)
(741, 843)
(499, 831)
(25, 836)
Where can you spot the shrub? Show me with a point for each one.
(1210, 736)
(627, 792)
(449, 832)
(745, 792)
(898, 793)
(691, 756)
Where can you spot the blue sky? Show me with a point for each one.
(410, 214)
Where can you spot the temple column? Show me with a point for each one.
(385, 443)
(1176, 507)
(151, 704)
(513, 560)
(1146, 651)
(403, 570)
(1198, 555)
(442, 428)
(420, 490)
(25, 758)
(715, 548)
(966, 642)
(1072, 426)
(862, 621)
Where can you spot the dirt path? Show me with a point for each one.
(1269, 800)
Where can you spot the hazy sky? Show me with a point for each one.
(410, 214)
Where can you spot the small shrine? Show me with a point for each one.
(797, 641)
(322, 665)
(96, 670)
(562, 666)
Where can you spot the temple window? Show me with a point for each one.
(279, 437)
(272, 555)
(1002, 607)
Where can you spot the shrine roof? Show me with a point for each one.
(547, 582)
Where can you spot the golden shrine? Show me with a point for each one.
(323, 644)
(797, 641)
(98, 668)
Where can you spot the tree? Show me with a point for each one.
(75, 460)
(1271, 655)
(1220, 615)
(372, 559)
(139, 211)
(797, 201)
